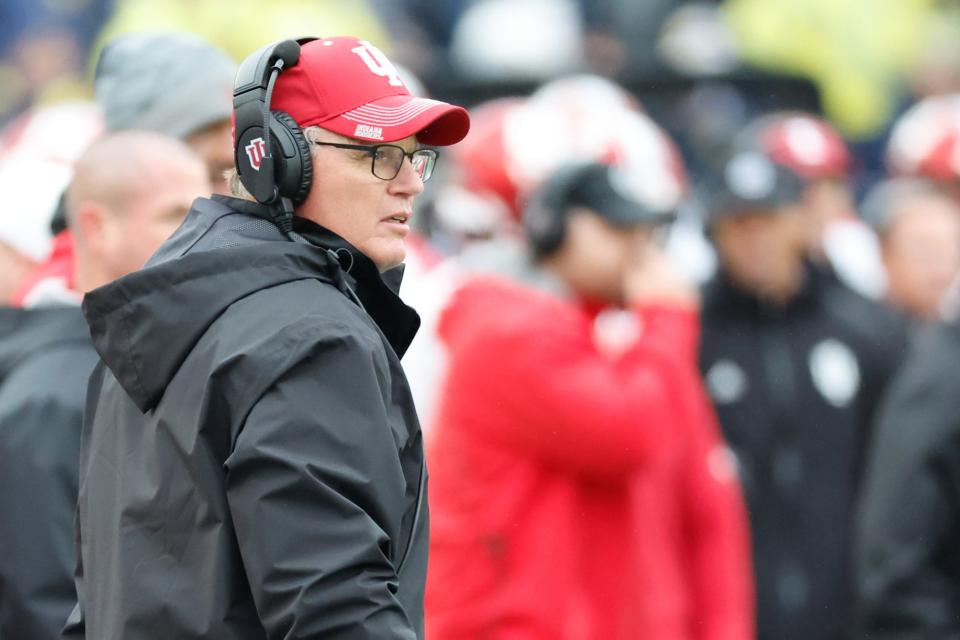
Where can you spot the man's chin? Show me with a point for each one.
(387, 260)
(386, 253)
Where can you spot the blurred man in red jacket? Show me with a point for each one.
(579, 486)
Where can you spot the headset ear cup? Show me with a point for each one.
(294, 175)
(543, 224)
(545, 217)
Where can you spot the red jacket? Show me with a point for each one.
(574, 497)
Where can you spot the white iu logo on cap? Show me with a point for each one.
(377, 62)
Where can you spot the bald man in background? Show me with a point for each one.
(130, 191)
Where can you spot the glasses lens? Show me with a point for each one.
(423, 161)
(387, 160)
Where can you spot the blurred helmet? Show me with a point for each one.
(37, 152)
(606, 190)
(514, 144)
(480, 157)
(479, 198)
(590, 119)
(803, 143)
(925, 140)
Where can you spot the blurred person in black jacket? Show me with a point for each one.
(907, 564)
(119, 217)
(795, 364)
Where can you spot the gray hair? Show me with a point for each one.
(885, 200)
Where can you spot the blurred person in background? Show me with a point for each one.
(580, 488)
(908, 576)
(795, 364)
(172, 83)
(43, 49)
(514, 144)
(37, 152)
(907, 562)
(919, 230)
(119, 217)
(839, 242)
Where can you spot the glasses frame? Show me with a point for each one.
(371, 150)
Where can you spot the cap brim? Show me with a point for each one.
(616, 210)
(599, 193)
(731, 206)
(397, 117)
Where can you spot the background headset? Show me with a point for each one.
(270, 151)
(545, 215)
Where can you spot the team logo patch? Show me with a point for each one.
(835, 372)
(727, 382)
(378, 63)
(256, 151)
(368, 132)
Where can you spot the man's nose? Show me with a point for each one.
(407, 181)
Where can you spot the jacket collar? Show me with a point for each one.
(723, 292)
(377, 292)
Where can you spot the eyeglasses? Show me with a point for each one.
(386, 159)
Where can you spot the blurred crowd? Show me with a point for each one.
(688, 290)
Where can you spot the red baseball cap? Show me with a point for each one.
(805, 144)
(348, 86)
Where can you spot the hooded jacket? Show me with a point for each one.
(251, 464)
(795, 388)
(46, 357)
(908, 566)
(579, 495)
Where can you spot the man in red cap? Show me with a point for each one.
(252, 464)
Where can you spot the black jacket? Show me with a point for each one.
(252, 465)
(908, 560)
(795, 388)
(46, 357)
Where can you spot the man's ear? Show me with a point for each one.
(90, 226)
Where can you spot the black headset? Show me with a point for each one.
(545, 214)
(271, 153)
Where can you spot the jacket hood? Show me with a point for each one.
(145, 324)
